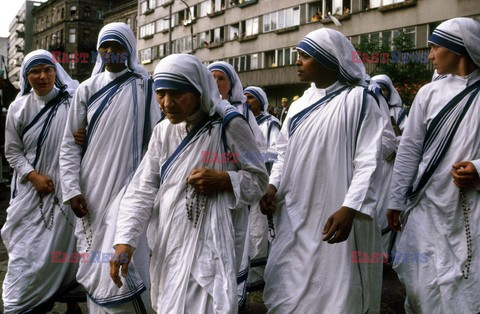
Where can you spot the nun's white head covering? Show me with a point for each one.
(40, 56)
(121, 33)
(334, 51)
(235, 94)
(394, 98)
(460, 35)
(186, 73)
(259, 95)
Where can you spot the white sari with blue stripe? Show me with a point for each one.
(328, 157)
(34, 132)
(195, 268)
(119, 117)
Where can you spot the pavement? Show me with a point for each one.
(393, 292)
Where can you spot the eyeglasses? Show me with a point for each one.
(36, 72)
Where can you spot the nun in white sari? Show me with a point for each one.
(231, 89)
(117, 107)
(186, 208)
(258, 223)
(435, 183)
(324, 184)
(38, 223)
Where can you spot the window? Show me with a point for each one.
(217, 35)
(71, 63)
(204, 39)
(254, 61)
(147, 30)
(281, 19)
(146, 55)
(87, 12)
(269, 57)
(161, 50)
(162, 24)
(73, 10)
(151, 4)
(129, 22)
(387, 2)
(63, 13)
(217, 5)
(251, 27)
(205, 8)
(86, 33)
(72, 35)
(410, 33)
(314, 12)
(233, 31)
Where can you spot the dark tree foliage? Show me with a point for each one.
(406, 67)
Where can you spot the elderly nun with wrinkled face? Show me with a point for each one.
(38, 223)
(186, 191)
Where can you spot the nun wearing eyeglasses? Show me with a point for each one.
(39, 227)
(118, 110)
(323, 187)
(184, 201)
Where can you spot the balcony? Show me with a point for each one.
(395, 6)
(214, 45)
(247, 38)
(216, 13)
(148, 11)
(20, 33)
(246, 3)
(166, 4)
(287, 29)
(19, 48)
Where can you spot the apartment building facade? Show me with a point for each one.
(20, 40)
(258, 37)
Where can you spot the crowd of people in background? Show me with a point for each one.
(180, 191)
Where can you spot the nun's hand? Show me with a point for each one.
(465, 175)
(208, 181)
(120, 260)
(43, 184)
(80, 136)
(267, 203)
(339, 224)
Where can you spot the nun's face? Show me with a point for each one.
(113, 55)
(310, 70)
(444, 61)
(254, 104)
(222, 82)
(177, 105)
(42, 78)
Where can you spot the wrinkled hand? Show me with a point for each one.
(464, 174)
(80, 136)
(43, 184)
(393, 218)
(338, 226)
(79, 205)
(208, 181)
(121, 259)
(267, 203)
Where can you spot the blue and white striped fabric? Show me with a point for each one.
(260, 95)
(121, 33)
(334, 51)
(394, 99)
(184, 71)
(460, 35)
(40, 56)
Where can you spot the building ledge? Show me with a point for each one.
(146, 61)
(216, 13)
(328, 20)
(246, 3)
(166, 4)
(247, 38)
(147, 37)
(395, 6)
(148, 11)
(214, 45)
(164, 31)
(287, 29)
